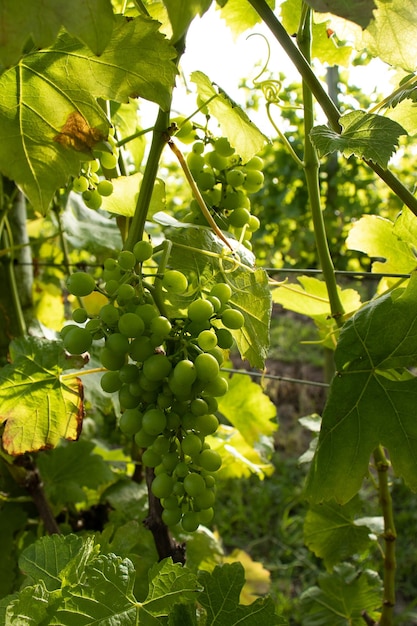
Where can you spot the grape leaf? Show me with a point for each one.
(89, 20)
(49, 117)
(198, 253)
(358, 11)
(88, 229)
(330, 532)
(125, 195)
(240, 16)
(181, 14)
(170, 583)
(29, 608)
(341, 597)
(248, 409)
(392, 34)
(368, 136)
(220, 598)
(67, 469)
(39, 404)
(242, 134)
(376, 237)
(371, 398)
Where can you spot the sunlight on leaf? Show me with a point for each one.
(360, 12)
(125, 195)
(239, 459)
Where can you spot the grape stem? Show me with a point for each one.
(196, 192)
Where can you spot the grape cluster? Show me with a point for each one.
(91, 183)
(166, 373)
(225, 183)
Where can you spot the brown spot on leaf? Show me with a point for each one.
(78, 135)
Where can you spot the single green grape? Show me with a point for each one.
(171, 517)
(116, 342)
(81, 284)
(144, 439)
(105, 188)
(207, 367)
(206, 424)
(207, 340)
(162, 486)
(142, 251)
(160, 326)
(110, 382)
(190, 521)
(217, 387)
(199, 407)
(151, 458)
(198, 147)
(131, 325)
(206, 180)
(184, 373)
(174, 281)
(170, 461)
(80, 184)
(205, 499)
(157, 367)
(254, 181)
(233, 319)
(126, 260)
(206, 515)
(130, 421)
(209, 460)
(194, 484)
(154, 421)
(191, 444)
(128, 373)
(235, 177)
(222, 291)
(224, 338)
(200, 310)
(125, 293)
(108, 161)
(110, 315)
(78, 340)
(223, 147)
(255, 163)
(92, 199)
(127, 400)
(80, 315)
(216, 160)
(111, 360)
(195, 162)
(239, 217)
(141, 349)
(253, 223)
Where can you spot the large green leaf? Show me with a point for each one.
(366, 135)
(220, 599)
(392, 34)
(372, 398)
(88, 229)
(341, 598)
(248, 409)
(49, 117)
(242, 134)
(331, 533)
(200, 255)
(181, 14)
(39, 404)
(89, 20)
(358, 11)
(240, 16)
(29, 608)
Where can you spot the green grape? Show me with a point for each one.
(171, 517)
(216, 161)
(223, 147)
(207, 367)
(160, 326)
(195, 162)
(131, 325)
(170, 503)
(110, 382)
(126, 260)
(93, 166)
(154, 421)
(255, 163)
(80, 184)
(184, 373)
(210, 480)
(108, 161)
(157, 367)
(110, 315)
(94, 179)
(198, 147)
(217, 305)
(206, 424)
(112, 286)
(110, 264)
(217, 387)
(147, 312)
(144, 439)
(161, 445)
(142, 251)
(77, 340)
(141, 349)
(130, 422)
(239, 217)
(80, 315)
(182, 470)
(207, 340)
(231, 200)
(105, 188)
(200, 310)
(118, 343)
(199, 407)
(127, 400)
(224, 338)
(92, 199)
(233, 319)
(206, 180)
(214, 196)
(205, 499)
(190, 521)
(188, 421)
(163, 401)
(191, 444)
(254, 181)
(148, 385)
(209, 460)
(170, 461)
(162, 486)
(253, 223)
(125, 293)
(206, 515)
(128, 373)
(222, 291)
(235, 177)
(173, 420)
(151, 458)
(174, 282)
(194, 484)
(112, 360)
(81, 284)
(218, 355)
(212, 403)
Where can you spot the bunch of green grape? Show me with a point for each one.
(166, 373)
(225, 183)
(91, 182)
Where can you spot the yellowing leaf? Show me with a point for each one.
(257, 578)
(125, 195)
(240, 460)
